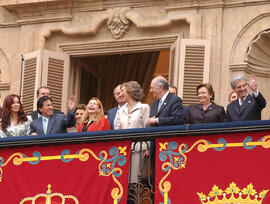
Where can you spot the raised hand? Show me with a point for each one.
(72, 103)
(252, 84)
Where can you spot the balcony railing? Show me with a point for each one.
(143, 190)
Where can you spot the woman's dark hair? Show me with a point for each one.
(209, 88)
(134, 89)
(6, 111)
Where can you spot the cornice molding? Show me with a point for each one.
(128, 16)
(249, 69)
(117, 47)
(37, 21)
(202, 5)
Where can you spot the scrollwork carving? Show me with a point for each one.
(117, 21)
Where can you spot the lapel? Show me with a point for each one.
(236, 106)
(50, 123)
(114, 112)
(40, 126)
(165, 103)
(245, 103)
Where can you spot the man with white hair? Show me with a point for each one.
(120, 103)
(168, 108)
(246, 107)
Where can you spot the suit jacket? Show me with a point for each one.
(171, 111)
(111, 116)
(213, 114)
(34, 114)
(57, 124)
(250, 110)
(136, 118)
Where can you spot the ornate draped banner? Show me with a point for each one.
(71, 173)
(213, 169)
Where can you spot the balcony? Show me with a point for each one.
(193, 164)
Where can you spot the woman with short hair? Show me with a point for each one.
(93, 118)
(134, 115)
(79, 111)
(14, 120)
(206, 111)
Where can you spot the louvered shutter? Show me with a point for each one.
(194, 67)
(55, 76)
(30, 80)
(174, 62)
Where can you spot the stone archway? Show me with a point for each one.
(258, 54)
(250, 54)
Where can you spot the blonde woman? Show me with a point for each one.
(93, 118)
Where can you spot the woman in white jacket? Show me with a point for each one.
(134, 115)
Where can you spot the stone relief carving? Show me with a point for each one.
(117, 21)
(258, 51)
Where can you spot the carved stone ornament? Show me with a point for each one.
(117, 22)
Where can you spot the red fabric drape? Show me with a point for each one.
(193, 169)
(90, 173)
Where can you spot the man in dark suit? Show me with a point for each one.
(168, 108)
(246, 107)
(50, 122)
(120, 101)
(42, 91)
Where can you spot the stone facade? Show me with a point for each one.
(238, 30)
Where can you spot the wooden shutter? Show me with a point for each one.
(174, 63)
(30, 80)
(55, 76)
(194, 67)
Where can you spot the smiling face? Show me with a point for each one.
(155, 89)
(47, 108)
(241, 89)
(124, 93)
(93, 107)
(204, 96)
(78, 115)
(15, 107)
(233, 97)
(118, 96)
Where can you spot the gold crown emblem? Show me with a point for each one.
(233, 195)
(50, 198)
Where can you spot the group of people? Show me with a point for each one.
(167, 109)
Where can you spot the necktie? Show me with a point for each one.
(242, 102)
(45, 125)
(159, 105)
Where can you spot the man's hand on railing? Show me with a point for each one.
(152, 121)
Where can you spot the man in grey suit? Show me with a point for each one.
(120, 101)
(51, 122)
(246, 107)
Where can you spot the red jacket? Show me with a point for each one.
(103, 124)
